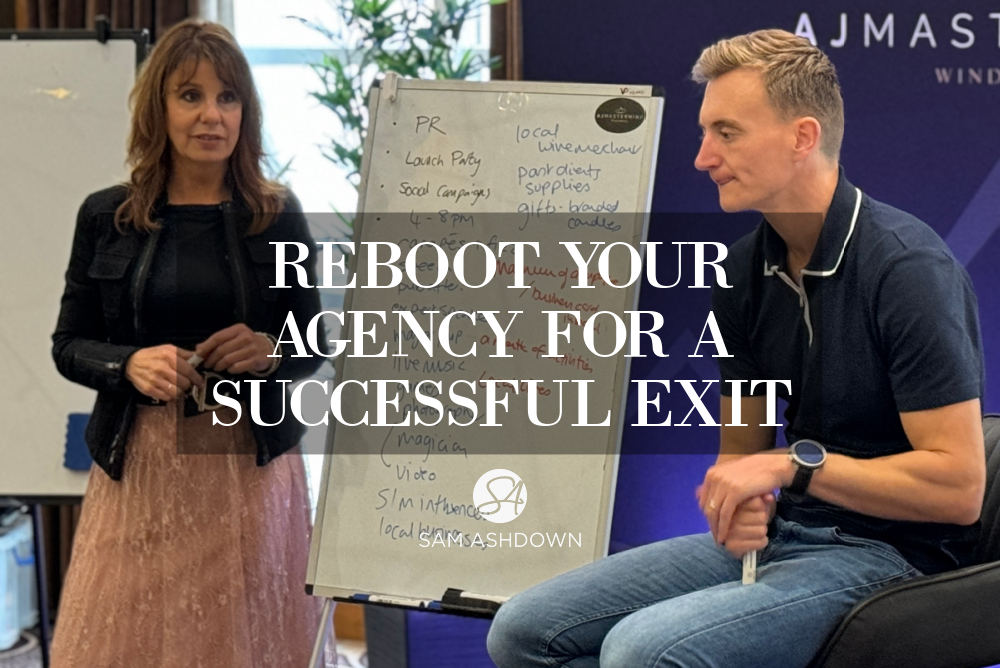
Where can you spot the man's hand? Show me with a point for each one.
(162, 372)
(749, 527)
(727, 485)
(236, 349)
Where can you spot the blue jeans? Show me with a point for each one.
(681, 602)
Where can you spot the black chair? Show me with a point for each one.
(950, 620)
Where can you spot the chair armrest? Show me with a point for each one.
(940, 621)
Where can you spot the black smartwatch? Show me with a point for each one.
(808, 457)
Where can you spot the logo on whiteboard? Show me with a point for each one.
(500, 495)
(620, 115)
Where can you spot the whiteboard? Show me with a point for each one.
(385, 487)
(65, 119)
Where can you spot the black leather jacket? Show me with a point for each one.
(99, 323)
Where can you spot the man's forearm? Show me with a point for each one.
(918, 486)
(942, 480)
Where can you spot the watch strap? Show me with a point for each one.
(800, 483)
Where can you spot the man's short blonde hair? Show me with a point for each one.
(799, 79)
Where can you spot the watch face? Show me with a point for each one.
(809, 452)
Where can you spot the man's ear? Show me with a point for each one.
(808, 134)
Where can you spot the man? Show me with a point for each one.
(874, 323)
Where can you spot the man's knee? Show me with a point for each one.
(640, 641)
(512, 635)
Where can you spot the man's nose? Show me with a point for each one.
(707, 157)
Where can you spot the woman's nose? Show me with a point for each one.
(210, 113)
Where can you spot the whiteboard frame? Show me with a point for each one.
(140, 37)
(142, 46)
(651, 149)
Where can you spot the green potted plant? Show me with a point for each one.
(412, 38)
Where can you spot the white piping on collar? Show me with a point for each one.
(850, 231)
(800, 290)
(770, 271)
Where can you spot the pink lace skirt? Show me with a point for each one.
(191, 559)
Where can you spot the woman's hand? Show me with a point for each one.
(236, 349)
(162, 372)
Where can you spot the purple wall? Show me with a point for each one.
(927, 147)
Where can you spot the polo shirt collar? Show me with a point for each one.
(836, 233)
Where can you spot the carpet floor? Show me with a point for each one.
(26, 653)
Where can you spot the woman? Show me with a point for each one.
(185, 560)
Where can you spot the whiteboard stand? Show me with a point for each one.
(454, 602)
(62, 494)
(484, 119)
(324, 624)
(41, 582)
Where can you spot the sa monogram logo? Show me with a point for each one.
(500, 495)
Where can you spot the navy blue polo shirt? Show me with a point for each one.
(885, 321)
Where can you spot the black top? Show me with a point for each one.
(98, 328)
(885, 321)
(189, 292)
